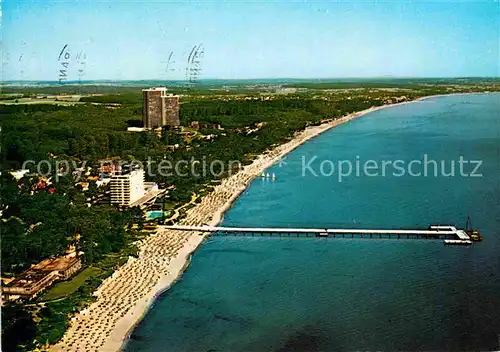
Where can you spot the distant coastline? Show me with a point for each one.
(238, 81)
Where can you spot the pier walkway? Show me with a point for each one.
(450, 234)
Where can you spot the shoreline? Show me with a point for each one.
(125, 298)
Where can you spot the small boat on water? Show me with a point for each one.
(268, 176)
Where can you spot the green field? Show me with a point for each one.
(62, 289)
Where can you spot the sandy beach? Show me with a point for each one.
(124, 298)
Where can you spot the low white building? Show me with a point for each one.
(127, 187)
(103, 182)
(18, 174)
(136, 129)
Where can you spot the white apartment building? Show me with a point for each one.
(127, 187)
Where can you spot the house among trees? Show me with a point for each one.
(195, 125)
(41, 276)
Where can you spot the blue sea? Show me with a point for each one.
(317, 294)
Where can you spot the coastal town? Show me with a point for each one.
(125, 187)
(285, 176)
(155, 255)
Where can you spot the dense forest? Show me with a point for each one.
(97, 131)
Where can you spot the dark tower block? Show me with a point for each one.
(171, 110)
(159, 108)
(152, 108)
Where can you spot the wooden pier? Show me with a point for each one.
(450, 234)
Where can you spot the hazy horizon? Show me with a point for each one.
(175, 40)
(342, 79)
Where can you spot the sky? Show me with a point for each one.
(131, 40)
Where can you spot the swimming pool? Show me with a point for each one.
(154, 214)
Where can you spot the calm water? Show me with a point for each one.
(272, 294)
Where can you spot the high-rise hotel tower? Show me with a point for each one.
(159, 108)
(127, 186)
